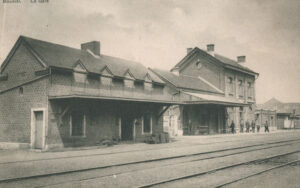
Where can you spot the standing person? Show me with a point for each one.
(258, 127)
(232, 126)
(247, 126)
(267, 126)
(257, 124)
(190, 126)
(253, 126)
(241, 126)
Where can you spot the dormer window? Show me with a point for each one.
(128, 79)
(80, 72)
(106, 77)
(148, 83)
(79, 77)
(128, 83)
(148, 86)
(107, 81)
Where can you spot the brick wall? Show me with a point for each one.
(209, 71)
(102, 121)
(15, 111)
(15, 107)
(20, 68)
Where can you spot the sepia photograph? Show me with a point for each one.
(150, 93)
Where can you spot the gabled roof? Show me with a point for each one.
(129, 75)
(224, 61)
(281, 108)
(78, 66)
(233, 63)
(55, 55)
(185, 82)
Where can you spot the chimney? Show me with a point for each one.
(93, 46)
(241, 59)
(188, 50)
(211, 49)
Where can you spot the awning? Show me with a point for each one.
(214, 99)
(76, 96)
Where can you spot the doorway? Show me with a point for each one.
(127, 128)
(37, 129)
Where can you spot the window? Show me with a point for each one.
(230, 85)
(106, 80)
(249, 84)
(240, 82)
(148, 86)
(21, 91)
(147, 124)
(250, 90)
(4, 77)
(79, 77)
(199, 65)
(129, 83)
(241, 88)
(77, 124)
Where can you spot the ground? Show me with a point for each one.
(134, 165)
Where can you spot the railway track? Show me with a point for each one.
(164, 183)
(234, 151)
(259, 173)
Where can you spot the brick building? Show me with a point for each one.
(262, 115)
(214, 90)
(56, 96)
(287, 114)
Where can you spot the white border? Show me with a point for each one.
(32, 125)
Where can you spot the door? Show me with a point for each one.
(39, 129)
(77, 123)
(127, 128)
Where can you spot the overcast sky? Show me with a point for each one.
(157, 33)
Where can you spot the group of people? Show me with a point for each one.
(248, 125)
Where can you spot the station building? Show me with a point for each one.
(220, 90)
(54, 96)
(287, 114)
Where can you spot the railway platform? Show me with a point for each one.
(185, 156)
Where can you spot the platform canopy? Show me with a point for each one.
(214, 99)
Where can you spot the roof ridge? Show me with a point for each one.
(53, 43)
(38, 40)
(120, 58)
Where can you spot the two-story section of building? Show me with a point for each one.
(56, 96)
(224, 91)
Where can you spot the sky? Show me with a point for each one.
(157, 33)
